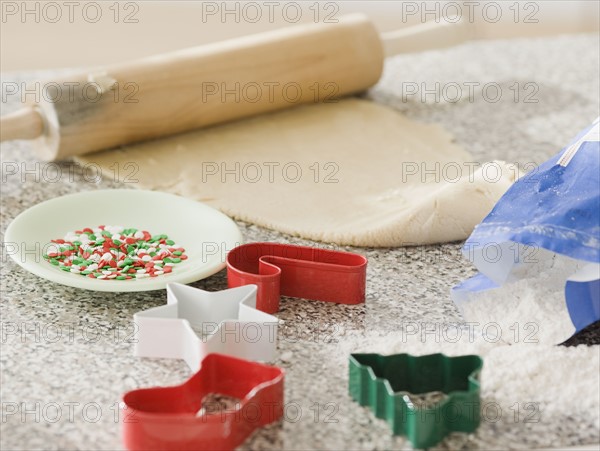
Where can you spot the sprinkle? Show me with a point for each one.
(114, 253)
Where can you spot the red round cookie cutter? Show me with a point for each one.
(297, 271)
(169, 418)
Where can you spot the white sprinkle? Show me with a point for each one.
(92, 267)
(138, 235)
(75, 271)
(141, 271)
(146, 258)
(53, 249)
(107, 256)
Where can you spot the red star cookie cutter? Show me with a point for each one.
(173, 418)
(297, 271)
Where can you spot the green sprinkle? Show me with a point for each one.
(91, 236)
(167, 260)
(54, 261)
(178, 253)
(170, 242)
(175, 260)
(120, 278)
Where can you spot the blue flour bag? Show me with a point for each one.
(538, 252)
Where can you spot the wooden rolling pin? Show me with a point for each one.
(197, 87)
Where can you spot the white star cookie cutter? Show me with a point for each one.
(195, 323)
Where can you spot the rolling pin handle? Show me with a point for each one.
(26, 123)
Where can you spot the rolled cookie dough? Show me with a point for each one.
(351, 173)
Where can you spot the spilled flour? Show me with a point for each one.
(531, 386)
(531, 307)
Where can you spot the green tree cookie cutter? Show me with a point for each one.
(384, 383)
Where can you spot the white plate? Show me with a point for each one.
(205, 233)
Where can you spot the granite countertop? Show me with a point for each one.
(71, 358)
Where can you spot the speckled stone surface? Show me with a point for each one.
(67, 353)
